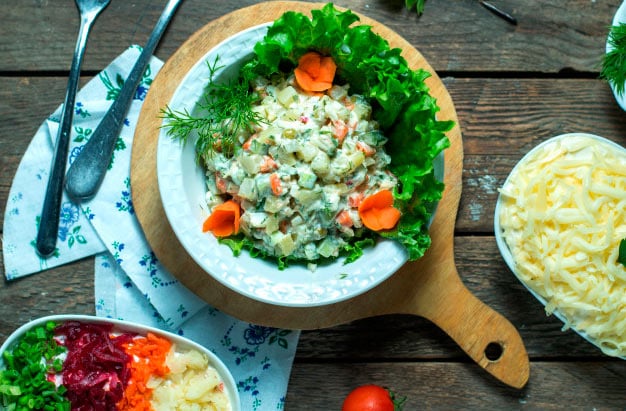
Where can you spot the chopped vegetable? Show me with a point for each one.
(622, 252)
(377, 211)
(95, 371)
(24, 383)
(371, 397)
(149, 354)
(315, 72)
(224, 219)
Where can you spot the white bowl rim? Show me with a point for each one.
(328, 284)
(137, 328)
(505, 252)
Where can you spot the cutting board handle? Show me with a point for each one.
(485, 335)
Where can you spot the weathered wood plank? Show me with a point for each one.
(70, 290)
(446, 386)
(552, 36)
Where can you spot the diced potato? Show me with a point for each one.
(307, 152)
(321, 163)
(247, 189)
(251, 163)
(287, 96)
(283, 242)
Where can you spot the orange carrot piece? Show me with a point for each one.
(340, 130)
(224, 220)
(147, 359)
(377, 211)
(344, 219)
(268, 164)
(315, 72)
(365, 149)
(277, 187)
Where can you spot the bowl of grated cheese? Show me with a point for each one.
(558, 222)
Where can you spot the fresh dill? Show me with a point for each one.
(418, 4)
(224, 113)
(614, 62)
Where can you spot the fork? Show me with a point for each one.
(49, 222)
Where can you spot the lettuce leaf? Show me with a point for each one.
(399, 96)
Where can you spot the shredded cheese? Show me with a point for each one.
(562, 216)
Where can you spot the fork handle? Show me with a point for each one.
(89, 168)
(49, 220)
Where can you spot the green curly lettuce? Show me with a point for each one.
(399, 96)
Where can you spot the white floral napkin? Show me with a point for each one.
(130, 282)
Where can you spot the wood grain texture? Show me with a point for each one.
(453, 35)
(513, 87)
(451, 386)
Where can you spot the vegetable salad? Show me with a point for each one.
(324, 143)
(85, 366)
(303, 170)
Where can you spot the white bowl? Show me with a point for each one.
(620, 17)
(182, 188)
(127, 326)
(504, 248)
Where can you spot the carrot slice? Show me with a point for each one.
(315, 72)
(377, 211)
(224, 220)
(275, 184)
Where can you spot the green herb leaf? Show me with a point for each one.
(622, 252)
(418, 4)
(614, 62)
(225, 113)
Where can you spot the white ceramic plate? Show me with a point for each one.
(620, 17)
(127, 326)
(502, 245)
(182, 188)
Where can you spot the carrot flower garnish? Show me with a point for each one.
(377, 211)
(224, 220)
(315, 72)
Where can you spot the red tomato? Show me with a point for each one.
(368, 398)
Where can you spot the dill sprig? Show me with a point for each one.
(418, 4)
(614, 62)
(226, 112)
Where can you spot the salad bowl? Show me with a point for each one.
(81, 324)
(182, 187)
(563, 309)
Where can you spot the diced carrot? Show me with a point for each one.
(377, 211)
(277, 187)
(246, 145)
(355, 199)
(340, 130)
(365, 148)
(268, 164)
(148, 355)
(220, 183)
(315, 72)
(224, 220)
(344, 218)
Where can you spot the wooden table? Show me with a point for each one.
(513, 87)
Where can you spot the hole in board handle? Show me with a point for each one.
(494, 351)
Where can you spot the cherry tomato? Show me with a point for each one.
(368, 397)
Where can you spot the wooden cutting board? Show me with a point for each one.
(430, 288)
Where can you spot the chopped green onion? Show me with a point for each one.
(24, 384)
